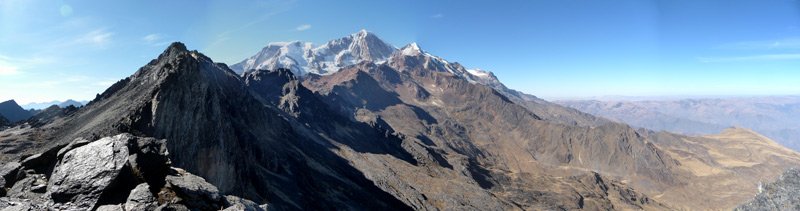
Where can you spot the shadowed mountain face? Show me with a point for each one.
(775, 117)
(410, 132)
(13, 112)
(4, 122)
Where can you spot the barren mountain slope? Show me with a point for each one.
(728, 166)
(474, 124)
(435, 107)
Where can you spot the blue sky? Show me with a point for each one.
(59, 49)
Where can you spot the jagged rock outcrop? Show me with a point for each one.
(103, 175)
(279, 88)
(782, 194)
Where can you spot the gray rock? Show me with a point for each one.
(235, 203)
(30, 186)
(15, 205)
(140, 198)
(78, 142)
(194, 191)
(34, 161)
(172, 207)
(782, 194)
(99, 162)
(93, 175)
(113, 207)
(149, 160)
(8, 175)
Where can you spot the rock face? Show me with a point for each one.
(13, 112)
(782, 194)
(103, 175)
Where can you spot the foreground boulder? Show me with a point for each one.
(141, 198)
(122, 172)
(83, 174)
(192, 190)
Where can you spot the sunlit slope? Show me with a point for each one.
(728, 165)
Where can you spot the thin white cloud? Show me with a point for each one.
(303, 27)
(438, 15)
(155, 39)
(98, 38)
(785, 43)
(8, 70)
(765, 57)
(150, 38)
(13, 65)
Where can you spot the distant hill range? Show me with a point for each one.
(13, 112)
(777, 117)
(62, 104)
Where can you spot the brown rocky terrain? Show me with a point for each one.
(516, 140)
(729, 166)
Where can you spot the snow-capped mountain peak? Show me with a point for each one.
(411, 49)
(303, 58)
(480, 73)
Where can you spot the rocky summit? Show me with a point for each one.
(396, 129)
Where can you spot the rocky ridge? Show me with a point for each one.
(126, 173)
(781, 194)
